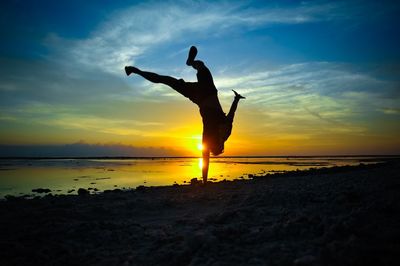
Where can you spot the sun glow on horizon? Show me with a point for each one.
(200, 146)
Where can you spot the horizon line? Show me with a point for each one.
(188, 157)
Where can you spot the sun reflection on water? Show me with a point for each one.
(200, 163)
(61, 176)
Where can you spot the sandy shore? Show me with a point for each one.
(340, 216)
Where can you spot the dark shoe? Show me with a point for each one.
(130, 69)
(191, 56)
(238, 96)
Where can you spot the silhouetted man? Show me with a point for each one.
(217, 126)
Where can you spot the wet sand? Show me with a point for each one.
(337, 216)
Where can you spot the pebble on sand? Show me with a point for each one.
(41, 190)
(83, 192)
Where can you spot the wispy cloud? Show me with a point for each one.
(68, 118)
(390, 111)
(308, 84)
(131, 32)
(312, 97)
(82, 149)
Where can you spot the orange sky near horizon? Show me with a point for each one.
(176, 125)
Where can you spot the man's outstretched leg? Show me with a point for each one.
(153, 77)
(150, 76)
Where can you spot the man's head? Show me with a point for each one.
(217, 148)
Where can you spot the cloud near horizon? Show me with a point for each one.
(81, 149)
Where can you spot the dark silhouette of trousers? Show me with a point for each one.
(195, 91)
(204, 80)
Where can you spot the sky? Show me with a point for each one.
(319, 77)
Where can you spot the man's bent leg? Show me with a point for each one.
(203, 73)
(191, 56)
(226, 128)
(234, 105)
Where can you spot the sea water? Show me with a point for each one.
(66, 176)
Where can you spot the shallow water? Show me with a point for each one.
(19, 177)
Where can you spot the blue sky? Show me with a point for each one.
(320, 77)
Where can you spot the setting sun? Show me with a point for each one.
(200, 147)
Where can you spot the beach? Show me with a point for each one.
(336, 216)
